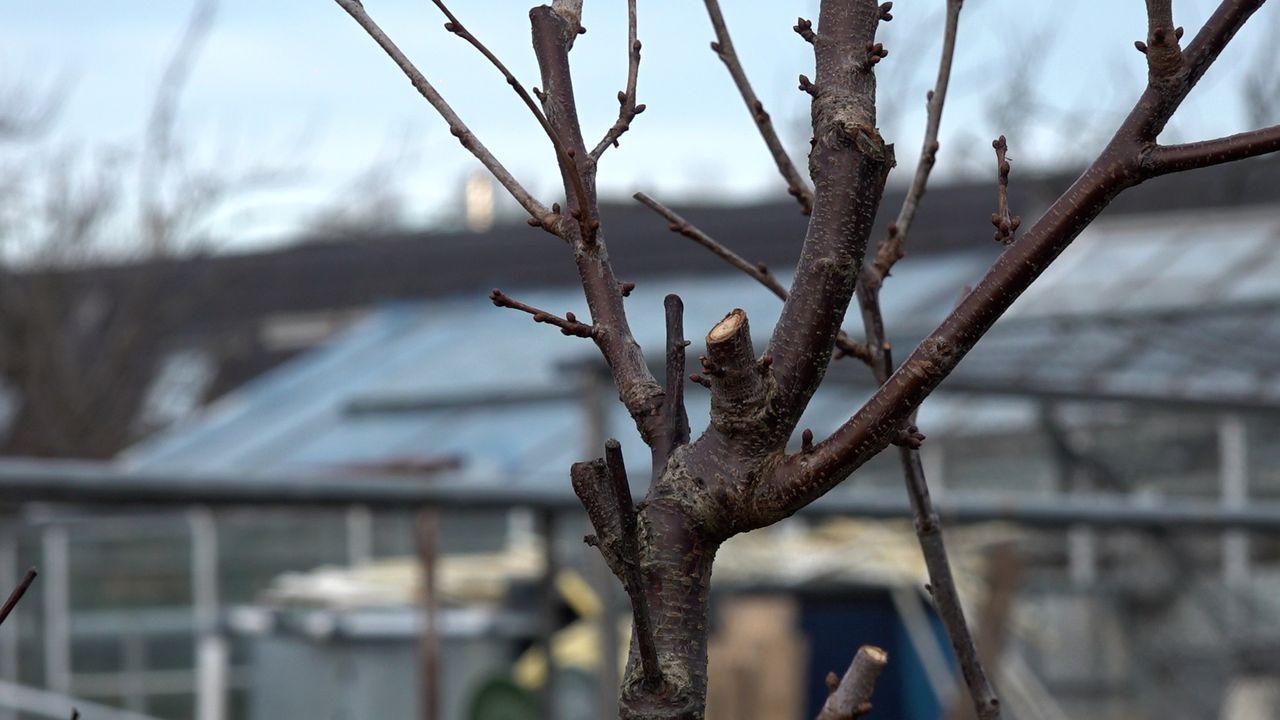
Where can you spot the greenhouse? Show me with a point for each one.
(1119, 428)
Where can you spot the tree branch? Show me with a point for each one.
(602, 487)
(553, 36)
(1165, 94)
(678, 224)
(629, 544)
(803, 478)
(16, 595)
(537, 211)
(1164, 159)
(850, 697)
(849, 164)
(942, 584)
(158, 150)
(723, 47)
(675, 417)
(1005, 222)
(1164, 57)
(892, 249)
(563, 158)
(737, 382)
(844, 344)
(626, 98)
(568, 324)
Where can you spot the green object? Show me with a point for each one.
(502, 699)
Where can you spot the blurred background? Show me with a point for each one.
(276, 455)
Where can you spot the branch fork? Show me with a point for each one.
(628, 108)
(845, 345)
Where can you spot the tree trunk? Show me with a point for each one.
(676, 571)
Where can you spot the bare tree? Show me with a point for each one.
(75, 351)
(92, 301)
(741, 472)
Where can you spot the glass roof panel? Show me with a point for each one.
(297, 415)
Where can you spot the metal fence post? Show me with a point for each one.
(211, 646)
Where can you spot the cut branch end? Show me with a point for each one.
(851, 696)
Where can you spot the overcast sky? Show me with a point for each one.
(296, 84)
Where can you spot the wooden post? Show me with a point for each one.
(428, 543)
(547, 621)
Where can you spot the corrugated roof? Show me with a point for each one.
(1162, 307)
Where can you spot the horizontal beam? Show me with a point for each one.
(1255, 405)
(46, 704)
(409, 403)
(960, 383)
(100, 485)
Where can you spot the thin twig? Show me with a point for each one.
(850, 696)
(893, 248)
(564, 157)
(846, 345)
(942, 584)
(537, 211)
(1005, 222)
(723, 47)
(678, 224)
(928, 529)
(626, 98)
(994, 617)
(17, 594)
(158, 150)
(569, 324)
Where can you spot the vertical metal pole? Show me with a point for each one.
(9, 579)
(933, 460)
(1082, 556)
(57, 608)
(595, 431)
(428, 544)
(133, 649)
(211, 646)
(547, 624)
(1082, 540)
(359, 522)
(1233, 468)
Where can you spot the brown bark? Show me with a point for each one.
(849, 163)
